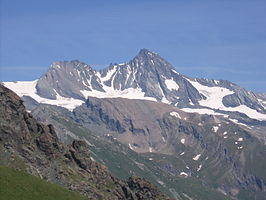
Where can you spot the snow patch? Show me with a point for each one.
(234, 120)
(188, 197)
(171, 84)
(109, 74)
(190, 102)
(160, 182)
(130, 146)
(239, 123)
(202, 111)
(214, 95)
(130, 93)
(215, 129)
(197, 157)
(214, 99)
(175, 114)
(216, 82)
(174, 71)
(183, 174)
(164, 100)
(251, 113)
(199, 168)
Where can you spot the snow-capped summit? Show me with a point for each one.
(147, 76)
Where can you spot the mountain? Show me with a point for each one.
(179, 148)
(147, 76)
(168, 172)
(30, 146)
(186, 135)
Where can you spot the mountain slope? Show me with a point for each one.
(124, 162)
(208, 151)
(33, 147)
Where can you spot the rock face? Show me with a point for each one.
(136, 123)
(67, 79)
(28, 145)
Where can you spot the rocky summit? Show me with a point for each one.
(194, 138)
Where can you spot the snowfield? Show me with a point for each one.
(28, 88)
(211, 105)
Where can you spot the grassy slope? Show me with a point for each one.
(19, 185)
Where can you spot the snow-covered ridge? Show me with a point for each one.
(214, 100)
(28, 88)
(214, 95)
(212, 103)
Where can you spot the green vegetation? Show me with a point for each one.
(19, 185)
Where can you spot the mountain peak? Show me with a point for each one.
(146, 53)
(144, 50)
(150, 60)
(64, 62)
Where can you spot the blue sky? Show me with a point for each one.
(219, 39)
